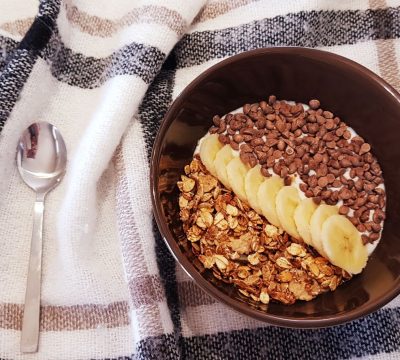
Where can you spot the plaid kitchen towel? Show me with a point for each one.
(104, 72)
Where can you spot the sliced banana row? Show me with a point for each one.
(319, 226)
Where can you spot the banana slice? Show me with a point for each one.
(208, 151)
(266, 197)
(221, 161)
(236, 171)
(342, 244)
(302, 217)
(322, 213)
(287, 201)
(252, 183)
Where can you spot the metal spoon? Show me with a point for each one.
(41, 160)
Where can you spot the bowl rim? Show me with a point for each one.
(183, 261)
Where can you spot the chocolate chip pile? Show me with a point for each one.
(332, 164)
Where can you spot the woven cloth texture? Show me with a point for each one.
(105, 72)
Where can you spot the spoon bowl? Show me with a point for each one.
(41, 161)
(41, 156)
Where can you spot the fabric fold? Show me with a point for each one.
(105, 73)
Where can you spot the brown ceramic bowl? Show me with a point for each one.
(361, 98)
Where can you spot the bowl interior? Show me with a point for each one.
(360, 98)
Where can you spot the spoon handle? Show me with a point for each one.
(31, 319)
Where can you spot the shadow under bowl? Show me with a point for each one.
(359, 97)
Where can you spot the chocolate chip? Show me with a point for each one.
(280, 125)
(378, 216)
(375, 227)
(359, 211)
(369, 186)
(256, 142)
(245, 148)
(360, 201)
(317, 200)
(330, 124)
(364, 216)
(343, 210)
(216, 120)
(327, 115)
(238, 138)
(331, 144)
(359, 184)
(292, 168)
(281, 145)
(354, 221)
(371, 205)
(347, 134)
(374, 236)
(270, 161)
(272, 100)
(277, 154)
(309, 193)
(303, 187)
(246, 108)
(331, 201)
(359, 172)
(213, 130)
(331, 178)
(252, 161)
(340, 131)
(224, 139)
(287, 180)
(265, 172)
(345, 163)
(314, 104)
(375, 168)
(320, 119)
(312, 181)
(284, 171)
(289, 150)
(222, 127)
(335, 164)
(312, 164)
(312, 128)
(254, 107)
(234, 145)
(322, 181)
(373, 198)
(345, 194)
(381, 202)
(326, 194)
(264, 106)
(277, 168)
(245, 157)
(378, 180)
(357, 140)
(260, 123)
(260, 155)
(317, 191)
(322, 170)
(361, 228)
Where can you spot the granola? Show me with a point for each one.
(241, 248)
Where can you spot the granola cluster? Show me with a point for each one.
(243, 249)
